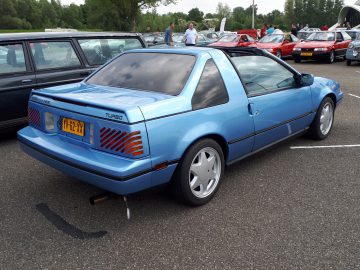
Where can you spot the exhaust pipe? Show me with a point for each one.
(107, 196)
(101, 198)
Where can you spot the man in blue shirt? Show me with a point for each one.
(168, 34)
(270, 30)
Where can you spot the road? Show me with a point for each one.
(281, 209)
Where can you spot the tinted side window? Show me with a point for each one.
(263, 75)
(99, 51)
(12, 59)
(159, 72)
(211, 90)
(50, 54)
(339, 36)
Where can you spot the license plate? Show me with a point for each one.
(73, 126)
(306, 54)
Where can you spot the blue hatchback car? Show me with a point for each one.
(175, 116)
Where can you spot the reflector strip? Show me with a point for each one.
(34, 117)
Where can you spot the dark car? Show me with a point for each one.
(37, 60)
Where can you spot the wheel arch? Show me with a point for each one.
(332, 96)
(214, 136)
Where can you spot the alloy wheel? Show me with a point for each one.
(326, 118)
(205, 172)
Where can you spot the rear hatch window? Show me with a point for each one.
(158, 72)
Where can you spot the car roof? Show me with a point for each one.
(199, 50)
(51, 35)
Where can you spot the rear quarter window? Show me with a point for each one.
(211, 90)
(157, 72)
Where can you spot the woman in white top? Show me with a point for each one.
(190, 36)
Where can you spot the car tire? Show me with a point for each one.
(279, 54)
(331, 57)
(348, 62)
(324, 119)
(199, 173)
(297, 59)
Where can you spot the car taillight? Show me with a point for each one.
(34, 117)
(120, 142)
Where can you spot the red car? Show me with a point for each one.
(280, 45)
(234, 40)
(322, 46)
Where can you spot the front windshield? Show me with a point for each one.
(272, 39)
(321, 36)
(229, 38)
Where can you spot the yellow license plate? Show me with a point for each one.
(306, 54)
(73, 126)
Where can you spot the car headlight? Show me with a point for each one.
(320, 49)
(297, 49)
(351, 45)
(270, 50)
(49, 121)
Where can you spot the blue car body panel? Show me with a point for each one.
(166, 125)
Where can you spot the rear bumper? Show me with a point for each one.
(113, 173)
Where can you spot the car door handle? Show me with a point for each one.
(252, 110)
(26, 81)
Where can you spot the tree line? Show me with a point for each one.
(141, 15)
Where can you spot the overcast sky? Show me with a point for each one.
(209, 6)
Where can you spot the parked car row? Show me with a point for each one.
(38, 60)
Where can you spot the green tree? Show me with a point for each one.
(289, 12)
(223, 11)
(195, 15)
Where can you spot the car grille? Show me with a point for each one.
(307, 49)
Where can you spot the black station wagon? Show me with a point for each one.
(37, 60)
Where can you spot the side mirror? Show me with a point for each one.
(305, 80)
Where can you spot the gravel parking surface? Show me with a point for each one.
(281, 209)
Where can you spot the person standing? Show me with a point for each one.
(294, 30)
(169, 34)
(191, 36)
(263, 30)
(270, 30)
